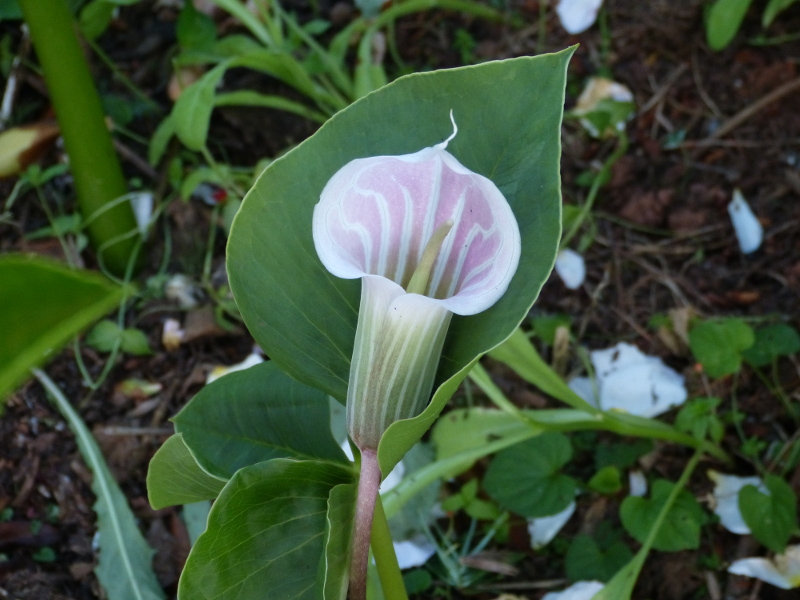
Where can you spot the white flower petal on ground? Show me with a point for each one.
(726, 498)
(583, 590)
(181, 289)
(544, 529)
(220, 371)
(637, 483)
(172, 335)
(748, 229)
(604, 96)
(571, 267)
(629, 380)
(783, 571)
(578, 15)
(585, 388)
(414, 552)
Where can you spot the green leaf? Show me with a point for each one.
(772, 342)
(526, 478)
(417, 513)
(698, 417)
(103, 336)
(338, 535)
(255, 415)
(134, 341)
(191, 114)
(545, 326)
(195, 30)
(587, 559)
(267, 534)
(44, 305)
(467, 428)
(95, 17)
(124, 569)
(681, 529)
(773, 9)
(174, 477)
(718, 345)
(160, 140)
(195, 517)
(106, 334)
(519, 353)
(771, 517)
(606, 480)
(622, 455)
(724, 20)
(303, 316)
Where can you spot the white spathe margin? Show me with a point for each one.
(748, 229)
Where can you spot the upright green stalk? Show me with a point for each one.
(94, 164)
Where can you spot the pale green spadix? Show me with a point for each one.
(428, 238)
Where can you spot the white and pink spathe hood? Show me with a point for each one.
(374, 220)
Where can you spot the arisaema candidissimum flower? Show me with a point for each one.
(428, 238)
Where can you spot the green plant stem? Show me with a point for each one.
(621, 585)
(619, 152)
(369, 482)
(94, 164)
(385, 557)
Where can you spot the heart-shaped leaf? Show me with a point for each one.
(771, 517)
(304, 317)
(255, 415)
(681, 529)
(267, 535)
(526, 478)
(174, 477)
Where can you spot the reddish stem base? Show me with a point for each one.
(368, 484)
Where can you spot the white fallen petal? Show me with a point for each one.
(142, 205)
(578, 15)
(585, 388)
(629, 380)
(181, 289)
(544, 529)
(746, 226)
(172, 335)
(646, 389)
(571, 267)
(583, 590)
(637, 483)
(726, 499)
(597, 90)
(219, 371)
(414, 552)
(783, 571)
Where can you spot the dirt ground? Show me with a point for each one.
(663, 241)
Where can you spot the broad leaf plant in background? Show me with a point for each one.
(285, 520)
